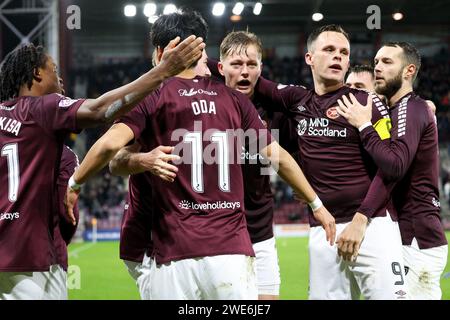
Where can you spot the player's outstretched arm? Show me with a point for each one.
(130, 161)
(97, 157)
(117, 102)
(289, 170)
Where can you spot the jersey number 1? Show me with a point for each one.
(11, 152)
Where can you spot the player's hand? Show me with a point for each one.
(355, 113)
(157, 162)
(328, 223)
(70, 201)
(179, 56)
(349, 241)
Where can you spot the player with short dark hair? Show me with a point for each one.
(331, 155)
(410, 156)
(316, 33)
(35, 120)
(198, 226)
(135, 232)
(361, 77)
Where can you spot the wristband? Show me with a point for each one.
(73, 185)
(365, 125)
(316, 204)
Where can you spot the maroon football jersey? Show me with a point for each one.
(412, 154)
(32, 133)
(63, 228)
(202, 212)
(330, 149)
(135, 231)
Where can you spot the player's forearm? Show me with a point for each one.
(117, 102)
(377, 197)
(289, 171)
(103, 151)
(126, 162)
(97, 158)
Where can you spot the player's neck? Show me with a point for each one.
(24, 91)
(187, 74)
(405, 88)
(322, 88)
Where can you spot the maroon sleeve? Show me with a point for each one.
(55, 112)
(377, 196)
(136, 119)
(394, 156)
(279, 97)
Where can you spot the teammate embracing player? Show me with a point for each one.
(410, 156)
(201, 245)
(344, 177)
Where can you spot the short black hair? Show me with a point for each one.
(362, 68)
(181, 24)
(317, 32)
(18, 69)
(410, 54)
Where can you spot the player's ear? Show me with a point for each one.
(220, 67)
(37, 74)
(308, 58)
(410, 70)
(159, 53)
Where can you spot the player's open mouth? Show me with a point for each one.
(243, 83)
(336, 67)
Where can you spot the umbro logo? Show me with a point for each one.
(401, 293)
(301, 108)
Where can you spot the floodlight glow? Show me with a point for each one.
(257, 8)
(170, 8)
(149, 9)
(152, 19)
(129, 10)
(238, 8)
(317, 16)
(397, 16)
(218, 9)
